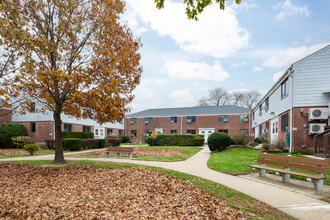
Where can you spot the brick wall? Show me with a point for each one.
(5, 116)
(234, 125)
(282, 134)
(44, 130)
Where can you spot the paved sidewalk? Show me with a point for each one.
(295, 204)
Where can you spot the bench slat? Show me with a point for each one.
(121, 149)
(315, 169)
(310, 161)
(288, 172)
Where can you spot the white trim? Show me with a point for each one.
(166, 116)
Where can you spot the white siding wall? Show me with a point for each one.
(276, 105)
(312, 77)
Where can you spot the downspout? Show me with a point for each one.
(291, 111)
(181, 126)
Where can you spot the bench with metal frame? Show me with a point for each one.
(318, 166)
(119, 151)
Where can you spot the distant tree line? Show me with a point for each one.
(220, 96)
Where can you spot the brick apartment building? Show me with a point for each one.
(189, 120)
(298, 103)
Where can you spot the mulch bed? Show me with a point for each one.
(87, 193)
(12, 152)
(142, 152)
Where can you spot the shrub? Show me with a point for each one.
(266, 146)
(240, 139)
(174, 140)
(51, 144)
(72, 144)
(112, 136)
(20, 141)
(198, 141)
(9, 130)
(303, 151)
(124, 139)
(112, 141)
(260, 140)
(76, 134)
(102, 143)
(219, 141)
(90, 143)
(31, 148)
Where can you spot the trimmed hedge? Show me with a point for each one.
(219, 141)
(90, 143)
(9, 130)
(124, 139)
(176, 140)
(102, 143)
(77, 134)
(112, 141)
(73, 144)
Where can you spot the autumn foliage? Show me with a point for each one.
(76, 57)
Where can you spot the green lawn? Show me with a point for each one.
(187, 153)
(40, 152)
(237, 161)
(233, 198)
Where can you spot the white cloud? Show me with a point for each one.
(277, 76)
(182, 98)
(239, 64)
(195, 70)
(217, 33)
(287, 9)
(282, 58)
(258, 69)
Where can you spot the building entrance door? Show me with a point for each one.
(206, 132)
(274, 131)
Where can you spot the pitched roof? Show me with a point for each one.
(192, 111)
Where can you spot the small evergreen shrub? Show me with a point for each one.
(240, 139)
(112, 136)
(198, 141)
(219, 141)
(77, 134)
(72, 144)
(102, 143)
(90, 143)
(112, 141)
(124, 139)
(20, 141)
(9, 130)
(31, 148)
(260, 140)
(174, 140)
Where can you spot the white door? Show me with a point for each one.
(99, 133)
(206, 132)
(256, 130)
(274, 130)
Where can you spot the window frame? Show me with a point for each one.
(285, 122)
(222, 117)
(193, 131)
(241, 131)
(285, 88)
(223, 131)
(33, 127)
(133, 121)
(88, 128)
(260, 130)
(244, 116)
(109, 133)
(173, 119)
(148, 121)
(132, 132)
(32, 108)
(67, 127)
(267, 104)
(171, 131)
(260, 110)
(191, 118)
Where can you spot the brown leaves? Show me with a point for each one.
(89, 193)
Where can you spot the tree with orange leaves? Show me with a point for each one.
(75, 55)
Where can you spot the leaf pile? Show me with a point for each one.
(88, 193)
(143, 152)
(12, 152)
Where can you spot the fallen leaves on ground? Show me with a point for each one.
(143, 152)
(12, 152)
(85, 192)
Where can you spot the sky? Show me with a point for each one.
(244, 47)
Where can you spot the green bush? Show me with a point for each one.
(175, 140)
(112, 141)
(102, 143)
(72, 144)
(90, 143)
(77, 134)
(303, 151)
(198, 141)
(219, 141)
(112, 136)
(9, 130)
(260, 140)
(31, 148)
(240, 139)
(20, 141)
(124, 139)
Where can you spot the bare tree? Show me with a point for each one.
(251, 98)
(218, 96)
(203, 102)
(237, 97)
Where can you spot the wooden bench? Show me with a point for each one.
(119, 151)
(318, 166)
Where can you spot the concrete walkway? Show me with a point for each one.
(292, 203)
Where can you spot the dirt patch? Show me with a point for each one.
(88, 193)
(12, 152)
(142, 152)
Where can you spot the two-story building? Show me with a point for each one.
(190, 120)
(298, 103)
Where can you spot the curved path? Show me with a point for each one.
(292, 203)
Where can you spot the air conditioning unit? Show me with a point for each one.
(188, 120)
(318, 114)
(245, 119)
(316, 128)
(146, 122)
(225, 120)
(267, 131)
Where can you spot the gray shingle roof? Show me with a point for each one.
(192, 111)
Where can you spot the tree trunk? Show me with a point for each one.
(59, 156)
